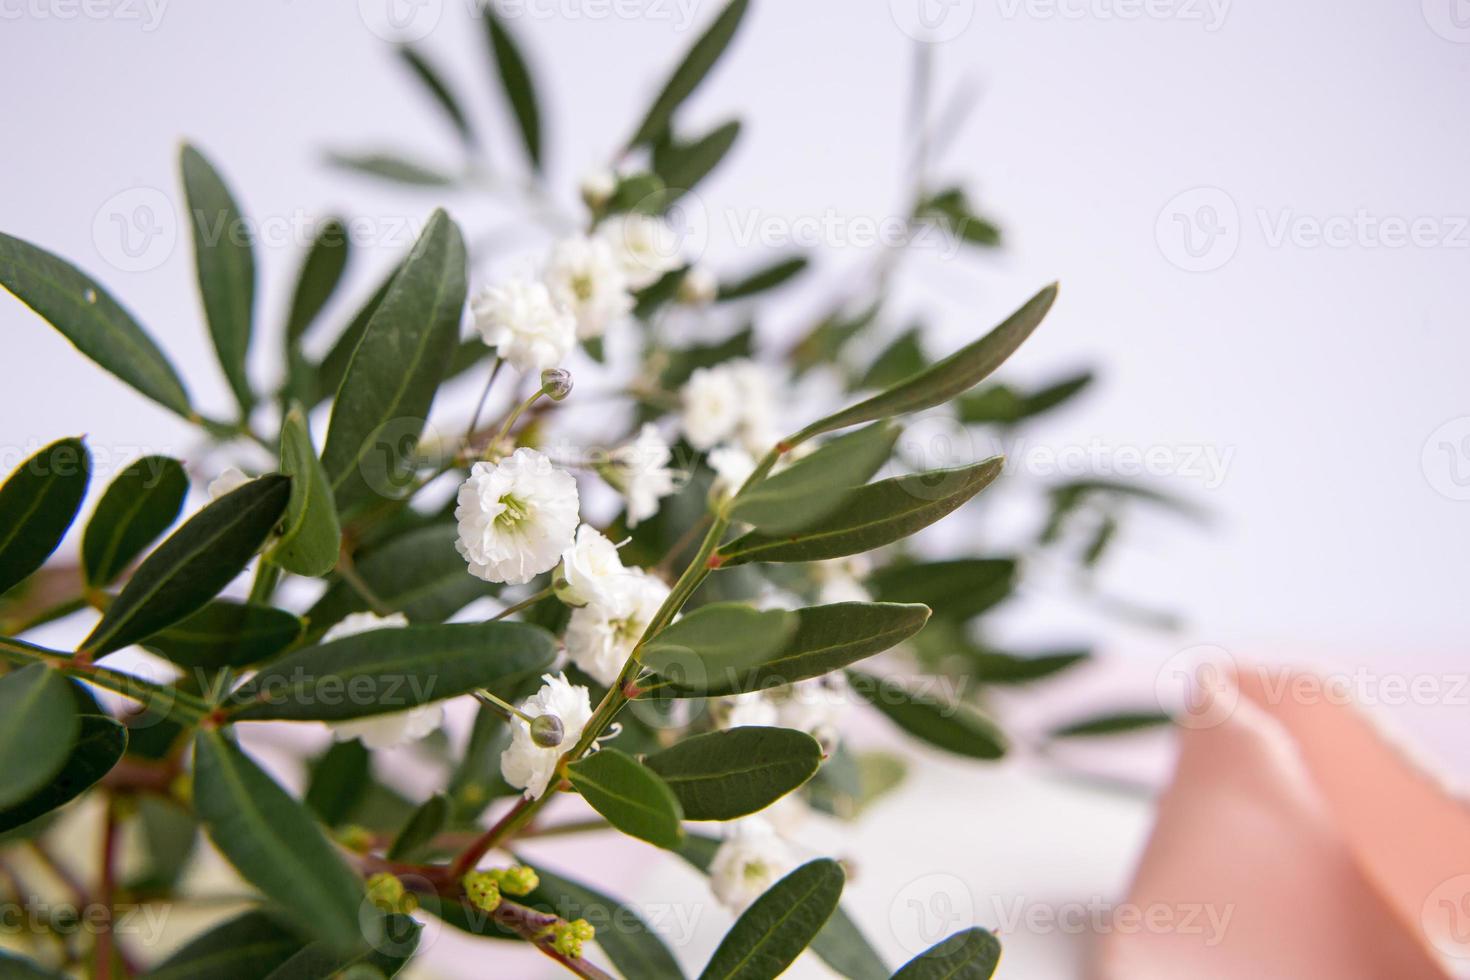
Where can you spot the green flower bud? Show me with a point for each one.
(386, 892)
(570, 936)
(483, 890)
(355, 838)
(547, 731)
(556, 383)
(519, 880)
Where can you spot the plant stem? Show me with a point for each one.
(173, 701)
(525, 603)
(107, 889)
(469, 433)
(267, 575)
(511, 419)
(50, 615)
(348, 570)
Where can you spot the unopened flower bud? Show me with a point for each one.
(482, 889)
(570, 936)
(556, 383)
(386, 892)
(356, 838)
(547, 731)
(598, 188)
(698, 287)
(519, 880)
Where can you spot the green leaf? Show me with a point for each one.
(396, 368)
(413, 840)
(827, 638)
(899, 360)
(387, 165)
(38, 728)
(682, 166)
(273, 841)
(333, 367)
(311, 539)
(998, 667)
(1003, 405)
(439, 91)
(872, 516)
(320, 274)
(955, 590)
(170, 834)
(16, 967)
(1114, 723)
(388, 670)
(516, 82)
(764, 279)
(956, 728)
(192, 565)
(100, 742)
(815, 486)
(339, 779)
(691, 71)
(955, 374)
(138, 506)
(824, 342)
(969, 955)
(399, 940)
(91, 319)
(38, 503)
(629, 795)
(226, 633)
(950, 209)
(246, 947)
(729, 774)
(225, 262)
(771, 934)
(716, 640)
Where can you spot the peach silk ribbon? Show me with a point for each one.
(1332, 854)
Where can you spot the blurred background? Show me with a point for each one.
(1257, 212)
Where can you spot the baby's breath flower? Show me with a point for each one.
(524, 324)
(598, 188)
(528, 766)
(646, 247)
(516, 517)
(751, 860)
(711, 406)
(699, 286)
(601, 635)
(586, 279)
(640, 470)
(229, 479)
(590, 569)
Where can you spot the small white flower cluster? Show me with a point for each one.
(751, 859)
(528, 765)
(815, 706)
(613, 605)
(516, 517)
(586, 285)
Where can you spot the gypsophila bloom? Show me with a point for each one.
(699, 286)
(757, 393)
(528, 766)
(711, 406)
(646, 247)
(749, 709)
(751, 860)
(397, 727)
(598, 187)
(601, 635)
(816, 706)
(640, 471)
(524, 324)
(516, 517)
(585, 278)
(591, 570)
(732, 466)
(229, 480)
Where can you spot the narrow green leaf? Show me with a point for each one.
(1003, 405)
(311, 538)
(438, 90)
(901, 359)
(716, 640)
(38, 503)
(138, 506)
(16, 967)
(956, 728)
(396, 369)
(226, 633)
(192, 565)
(320, 273)
(827, 638)
(273, 841)
(399, 939)
(956, 590)
(516, 83)
(333, 367)
(629, 795)
(1113, 723)
(170, 835)
(691, 71)
(955, 374)
(225, 262)
(100, 742)
(872, 516)
(815, 486)
(682, 166)
(729, 774)
(391, 670)
(339, 780)
(388, 165)
(950, 209)
(969, 955)
(764, 279)
(246, 947)
(771, 934)
(413, 840)
(38, 727)
(91, 319)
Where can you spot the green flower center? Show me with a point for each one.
(514, 513)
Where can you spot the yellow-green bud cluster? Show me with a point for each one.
(387, 893)
(482, 889)
(356, 838)
(568, 937)
(519, 880)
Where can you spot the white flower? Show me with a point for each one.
(528, 766)
(646, 247)
(749, 709)
(757, 388)
(712, 409)
(751, 860)
(598, 186)
(640, 470)
(841, 579)
(601, 635)
(816, 706)
(524, 325)
(394, 728)
(591, 569)
(732, 466)
(699, 287)
(586, 279)
(516, 517)
(229, 480)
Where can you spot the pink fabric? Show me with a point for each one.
(1316, 847)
